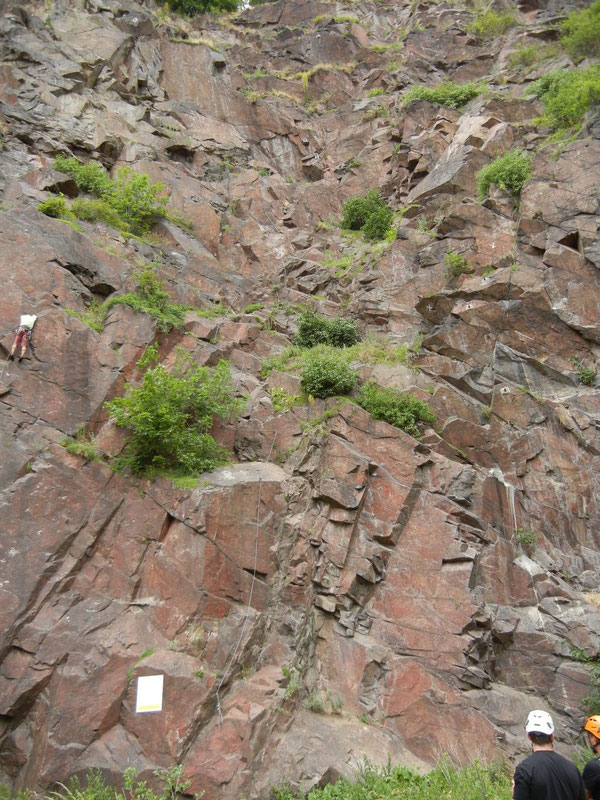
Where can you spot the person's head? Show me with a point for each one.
(540, 729)
(592, 728)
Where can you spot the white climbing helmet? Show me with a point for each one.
(539, 722)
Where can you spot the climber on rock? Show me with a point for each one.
(545, 775)
(22, 335)
(591, 771)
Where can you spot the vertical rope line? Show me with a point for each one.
(234, 654)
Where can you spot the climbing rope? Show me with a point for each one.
(237, 647)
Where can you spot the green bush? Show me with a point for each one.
(133, 199)
(509, 172)
(456, 264)
(170, 415)
(581, 33)
(98, 210)
(191, 8)
(402, 410)
(343, 332)
(369, 214)
(491, 24)
(566, 95)
(357, 210)
(448, 93)
(55, 207)
(136, 200)
(151, 297)
(90, 177)
(325, 375)
(314, 329)
(377, 224)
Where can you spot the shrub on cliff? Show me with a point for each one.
(448, 93)
(170, 415)
(191, 8)
(490, 24)
(150, 297)
(129, 201)
(567, 94)
(314, 329)
(581, 33)
(404, 411)
(325, 375)
(509, 172)
(369, 214)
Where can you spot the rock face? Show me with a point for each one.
(424, 595)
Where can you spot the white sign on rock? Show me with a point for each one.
(149, 693)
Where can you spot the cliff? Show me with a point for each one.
(423, 594)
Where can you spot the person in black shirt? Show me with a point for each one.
(545, 775)
(591, 771)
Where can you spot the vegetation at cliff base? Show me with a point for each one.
(445, 782)
(368, 214)
(508, 172)
(581, 33)
(567, 94)
(403, 410)
(170, 415)
(448, 93)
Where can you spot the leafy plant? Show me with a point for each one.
(586, 375)
(282, 400)
(136, 202)
(56, 207)
(592, 701)
(474, 782)
(96, 788)
(375, 92)
(378, 224)
(170, 415)
(80, 445)
(314, 329)
(448, 93)
(404, 411)
(509, 172)
(293, 685)
(342, 332)
(315, 702)
(151, 297)
(191, 8)
(325, 375)
(567, 94)
(369, 214)
(492, 23)
(98, 210)
(374, 113)
(527, 538)
(90, 177)
(456, 264)
(581, 32)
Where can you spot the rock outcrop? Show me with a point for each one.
(423, 595)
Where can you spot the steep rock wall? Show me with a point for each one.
(336, 552)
